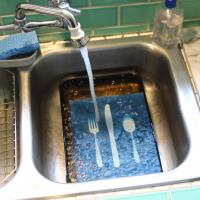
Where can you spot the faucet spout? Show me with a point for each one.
(64, 14)
(78, 37)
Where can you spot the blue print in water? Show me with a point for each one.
(133, 105)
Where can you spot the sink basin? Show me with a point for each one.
(151, 64)
(171, 100)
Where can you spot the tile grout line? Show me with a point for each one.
(148, 27)
(90, 3)
(119, 26)
(169, 195)
(121, 5)
(118, 15)
(92, 33)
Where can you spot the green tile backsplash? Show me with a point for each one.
(134, 14)
(98, 17)
(104, 17)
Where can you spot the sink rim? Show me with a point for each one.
(47, 187)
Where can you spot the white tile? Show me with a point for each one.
(162, 188)
(68, 198)
(196, 183)
(97, 38)
(110, 194)
(85, 197)
(182, 185)
(114, 37)
(127, 192)
(142, 191)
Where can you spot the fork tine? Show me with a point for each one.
(92, 124)
(89, 124)
(96, 125)
(92, 121)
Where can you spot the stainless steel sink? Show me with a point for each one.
(170, 96)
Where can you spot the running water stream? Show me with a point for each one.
(84, 53)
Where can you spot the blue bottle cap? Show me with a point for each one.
(170, 3)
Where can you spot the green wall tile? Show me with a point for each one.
(57, 36)
(142, 13)
(154, 196)
(105, 2)
(100, 17)
(120, 30)
(40, 17)
(191, 23)
(80, 3)
(117, 2)
(191, 8)
(105, 17)
(8, 19)
(187, 194)
(8, 6)
(38, 2)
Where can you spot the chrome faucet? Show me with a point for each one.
(66, 21)
(64, 4)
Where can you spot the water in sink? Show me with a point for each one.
(125, 95)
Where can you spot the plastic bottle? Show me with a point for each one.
(168, 25)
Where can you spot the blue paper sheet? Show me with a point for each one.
(133, 105)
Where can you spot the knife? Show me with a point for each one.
(109, 123)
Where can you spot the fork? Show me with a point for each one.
(94, 129)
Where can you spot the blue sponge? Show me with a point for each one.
(18, 44)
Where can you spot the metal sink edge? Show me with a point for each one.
(28, 183)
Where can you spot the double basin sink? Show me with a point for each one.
(170, 96)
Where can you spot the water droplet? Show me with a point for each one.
(75, 93)
(139, 139)
(88, 145)
(106, 165)
(113, 82)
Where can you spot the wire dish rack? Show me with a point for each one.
(8, 139)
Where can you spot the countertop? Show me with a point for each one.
(192, 50)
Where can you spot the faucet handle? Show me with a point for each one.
(66, 6)
(63, 4)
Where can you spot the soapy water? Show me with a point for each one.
(84, 53)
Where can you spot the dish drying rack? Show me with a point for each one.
(8, 137)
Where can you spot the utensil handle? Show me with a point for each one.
(135, 152)
(109, 123)
(114, 151)
(98, 153)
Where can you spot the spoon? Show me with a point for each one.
(129, 126)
